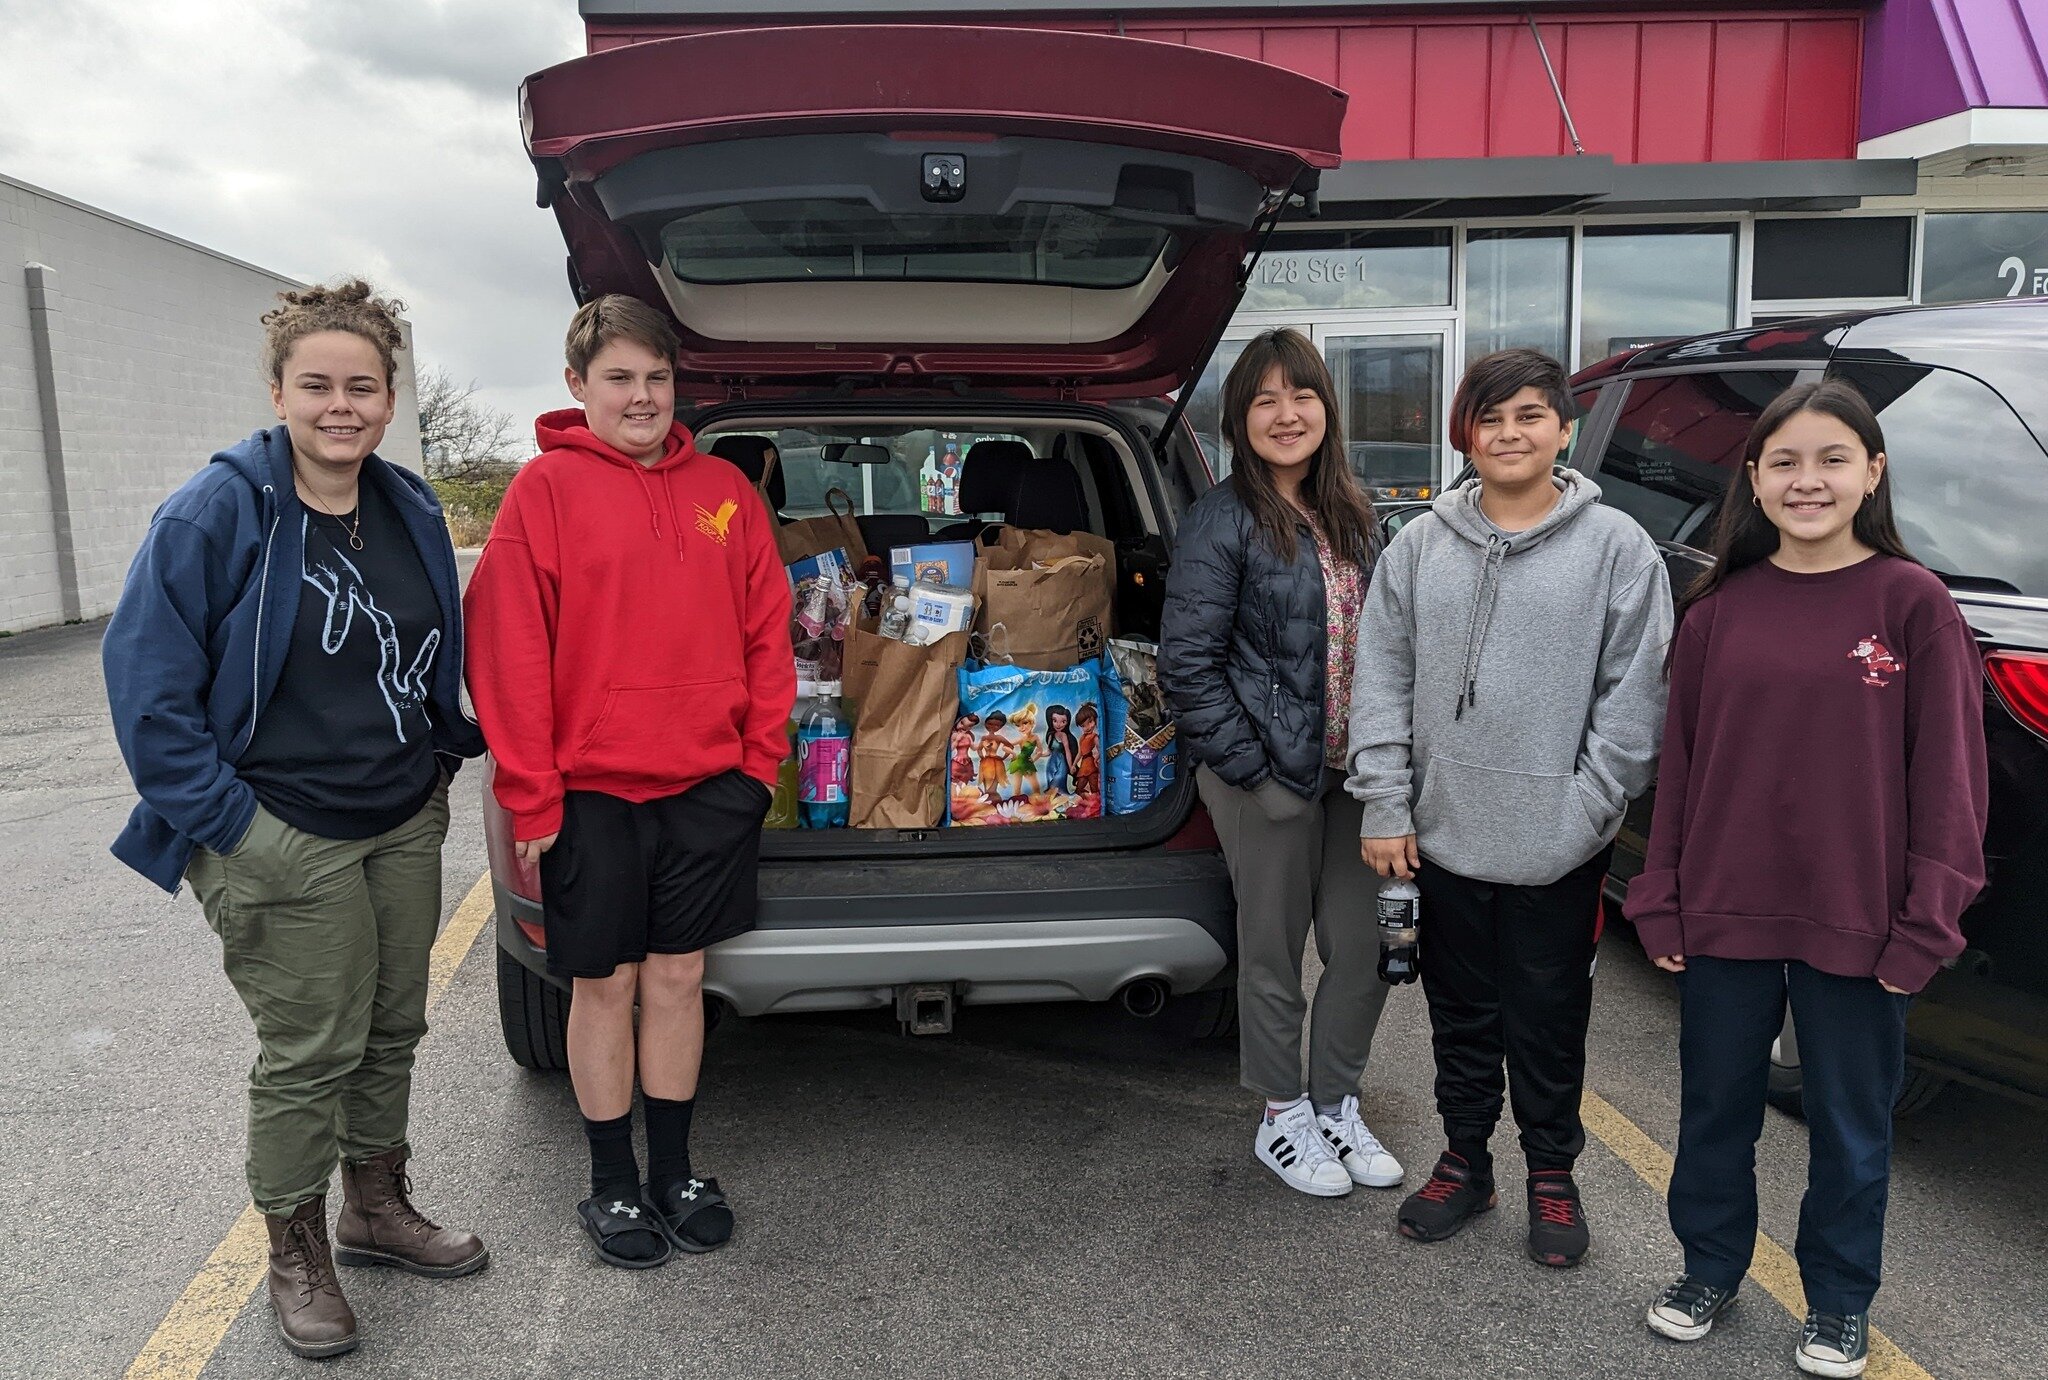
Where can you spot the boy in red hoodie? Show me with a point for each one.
(630, 661)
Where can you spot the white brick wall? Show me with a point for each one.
(157, 348)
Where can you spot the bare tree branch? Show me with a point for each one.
(461, 436)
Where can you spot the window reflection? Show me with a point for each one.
(1390, 390)
(1518, 286)
(1644, 283)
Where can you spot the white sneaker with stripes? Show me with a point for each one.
(1358, 1149)
(1291, 1145)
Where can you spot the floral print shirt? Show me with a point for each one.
(1343, 599)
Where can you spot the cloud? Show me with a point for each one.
(379, 137)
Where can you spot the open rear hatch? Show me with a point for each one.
(1039, 213)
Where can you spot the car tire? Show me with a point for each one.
(1210, 1015)
(535, 1016)
(1916, 1093)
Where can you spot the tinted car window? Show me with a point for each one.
(1677, 442)
(1969, 481)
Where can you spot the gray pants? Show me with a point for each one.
(1295, 863)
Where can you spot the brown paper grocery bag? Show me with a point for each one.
(864, 644)
(1044, 599)
(817, 535)
(899, 737)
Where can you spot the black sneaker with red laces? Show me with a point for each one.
(1453, 1194)
(1557, 1220)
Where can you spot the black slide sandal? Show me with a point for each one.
(684, 1200)
(608, 1217)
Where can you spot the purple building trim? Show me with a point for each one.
(1924, 59)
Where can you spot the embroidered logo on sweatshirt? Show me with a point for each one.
(716, 525)
(1879, 665)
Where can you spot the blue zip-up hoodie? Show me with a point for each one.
(199, 640)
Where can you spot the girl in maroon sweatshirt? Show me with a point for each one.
(1818, 833)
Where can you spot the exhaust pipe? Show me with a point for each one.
(1144, 997)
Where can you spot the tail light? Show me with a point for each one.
(522, 879)
(2021, 680)
(1197, 835)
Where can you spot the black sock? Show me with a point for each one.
(668, 1138)
(612, 1166)
(1476, 1156)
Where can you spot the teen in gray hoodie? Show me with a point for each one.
(1508, 702)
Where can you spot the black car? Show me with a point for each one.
(1962, 393)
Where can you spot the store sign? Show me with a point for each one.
(2023, 281)
(1971, 255)
(1377, 276)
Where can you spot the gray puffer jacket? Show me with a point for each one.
(1241, 646)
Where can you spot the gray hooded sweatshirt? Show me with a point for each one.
(1509, 695)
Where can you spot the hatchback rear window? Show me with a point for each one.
(832, 240)
(1969, 481)
(922, 476)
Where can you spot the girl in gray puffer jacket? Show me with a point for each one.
(1256, 647)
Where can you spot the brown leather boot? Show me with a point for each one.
(312, 1316)
(380, 1226)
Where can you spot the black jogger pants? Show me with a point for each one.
(1508, 973)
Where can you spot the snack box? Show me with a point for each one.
(934, 563)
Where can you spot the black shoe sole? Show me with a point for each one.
(316, 1351)
(361, 1259)
(1414, 1233)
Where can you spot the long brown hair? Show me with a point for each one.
(1743, 535)
(1329, 489)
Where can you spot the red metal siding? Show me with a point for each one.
(1719, 86)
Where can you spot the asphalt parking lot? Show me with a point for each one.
(1048, 1191)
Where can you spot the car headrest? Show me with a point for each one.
(1049, 495)
(750, 453)
(988, 476)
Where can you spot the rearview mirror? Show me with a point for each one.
(856, 453)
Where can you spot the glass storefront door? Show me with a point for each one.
(1393, 390)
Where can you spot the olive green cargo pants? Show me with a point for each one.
(326, 941)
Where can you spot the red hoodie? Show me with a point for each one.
(627, 626)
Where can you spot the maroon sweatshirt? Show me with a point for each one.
(1821, 795)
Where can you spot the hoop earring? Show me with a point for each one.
(1757, 501)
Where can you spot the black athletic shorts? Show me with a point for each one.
(667, 876)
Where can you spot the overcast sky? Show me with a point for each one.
(378, 137)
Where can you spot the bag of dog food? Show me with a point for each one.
(1141, 761)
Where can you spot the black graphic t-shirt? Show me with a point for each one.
(343, 749)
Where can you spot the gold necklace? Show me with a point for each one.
(354, 532)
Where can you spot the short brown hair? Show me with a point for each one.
(616, 316)
(1499, 376)
(352, 306)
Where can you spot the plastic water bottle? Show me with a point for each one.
(896, 611)
(824, 756)
(1400, 911)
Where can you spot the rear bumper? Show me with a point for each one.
(846, 936)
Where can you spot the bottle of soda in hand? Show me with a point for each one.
(1400, 911)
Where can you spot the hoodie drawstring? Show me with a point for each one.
(654, 510)
(653, 513)
(1483, 600)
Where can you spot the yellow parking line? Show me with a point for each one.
(1772, 1267)
(191, 1332)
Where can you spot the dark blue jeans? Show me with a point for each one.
(1852, 1050)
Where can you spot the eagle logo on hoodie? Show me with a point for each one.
(1878, 663)
(717, 526)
